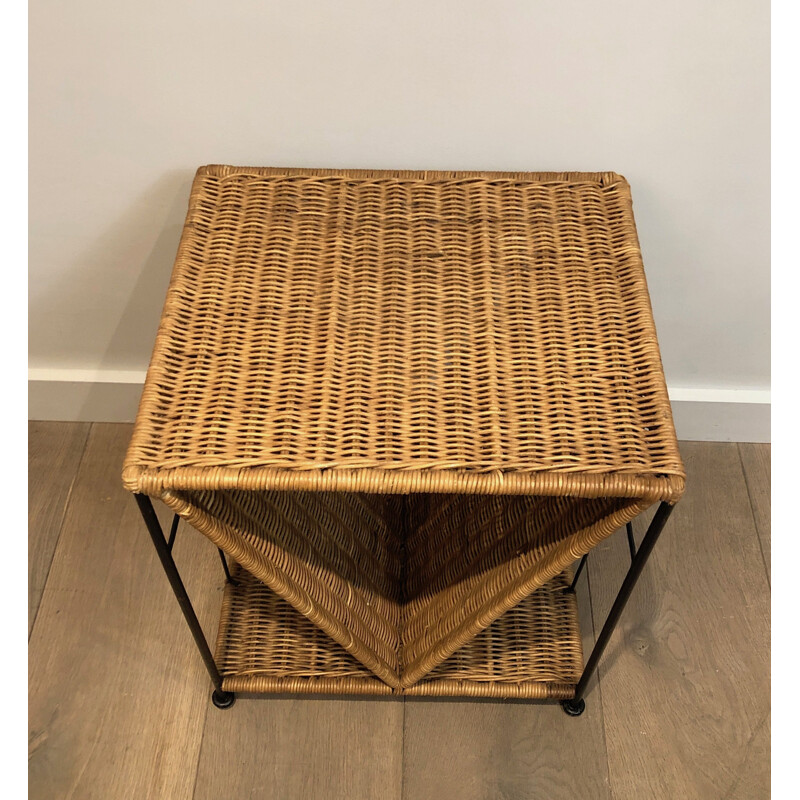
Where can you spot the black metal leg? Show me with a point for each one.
(571, 587)
(225, 568)
(576, 705)
(631, 540)
(173, 532)
(220, 698)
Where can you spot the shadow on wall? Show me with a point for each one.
(131, 263)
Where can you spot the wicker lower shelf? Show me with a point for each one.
(533, 651)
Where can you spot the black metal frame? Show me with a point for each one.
(219, 697)
(574, 707)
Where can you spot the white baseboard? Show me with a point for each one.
(706, 415)
(721, 415)
(78, 395)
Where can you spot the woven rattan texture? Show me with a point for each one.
(480, 559)
(394, 332)
(264, 645)
(401, 582)
(333, 556)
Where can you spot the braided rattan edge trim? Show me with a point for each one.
(530, 690)
(259, 684)
(224, 171)
(645, 487)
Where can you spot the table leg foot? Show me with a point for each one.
(222, 699)
(574, 708)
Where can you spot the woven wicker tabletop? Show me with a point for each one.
(407, 332)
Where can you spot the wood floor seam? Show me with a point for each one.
(753, 514)
(63, 517)
(738, 779)
(199, 753)
(403, 755)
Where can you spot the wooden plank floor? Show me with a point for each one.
(54, 453)
(118, 697)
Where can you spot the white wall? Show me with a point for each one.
(126, 100)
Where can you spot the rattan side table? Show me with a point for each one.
(402, 404)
